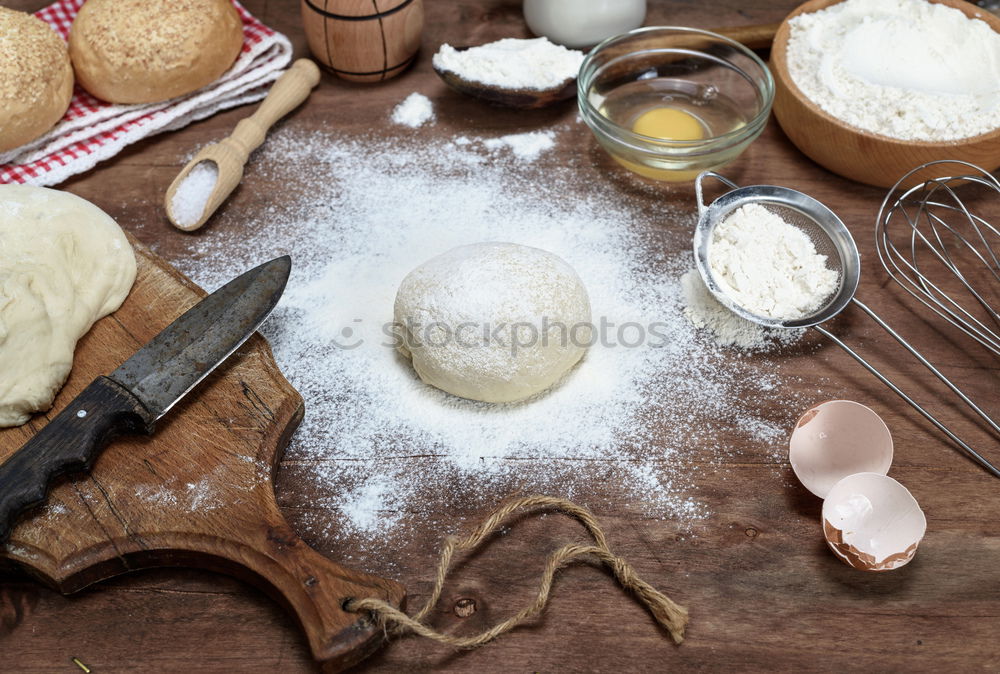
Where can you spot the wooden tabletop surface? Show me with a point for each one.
(763, 591)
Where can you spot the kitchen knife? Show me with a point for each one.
(143, 389)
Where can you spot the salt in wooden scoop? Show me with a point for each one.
(208, 179)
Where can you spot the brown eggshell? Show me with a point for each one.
(872, 522)
(835, 439)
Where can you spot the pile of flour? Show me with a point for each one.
(529, 145)
(907, 69)
(768, 266)
(728, 329)
(415, 111)
(513, 64)
(632, 425)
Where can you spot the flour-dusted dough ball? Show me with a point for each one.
(144, 51)
(64, 263)
(496, 322)
(36, 78)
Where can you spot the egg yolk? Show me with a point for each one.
(669, 124)
(665, 124)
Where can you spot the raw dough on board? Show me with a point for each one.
(64, 263)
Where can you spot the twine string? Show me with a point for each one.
(671, 616)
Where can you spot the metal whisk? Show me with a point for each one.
(929, 230)
(833, 240)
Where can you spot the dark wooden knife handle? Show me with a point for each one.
(70, 442)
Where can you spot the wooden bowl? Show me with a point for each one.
(861, 155)
(522, 99)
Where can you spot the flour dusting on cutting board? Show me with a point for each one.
(644, 412)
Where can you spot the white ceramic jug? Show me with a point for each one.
(583, 23)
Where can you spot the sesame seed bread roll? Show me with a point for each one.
(146, 51)
(36, 78)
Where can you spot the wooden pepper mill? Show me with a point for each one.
(364, 40)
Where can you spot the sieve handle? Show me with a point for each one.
(926, 363)
(973, 454)
(699, 192)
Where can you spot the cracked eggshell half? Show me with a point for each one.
(835, 439)
(872, 522)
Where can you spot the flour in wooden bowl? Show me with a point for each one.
(648, 408)
(906, 69)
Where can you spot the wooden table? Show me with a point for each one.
(763, 591)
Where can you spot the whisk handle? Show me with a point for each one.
(973, 454)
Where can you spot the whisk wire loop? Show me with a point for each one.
(942, 229)
(944, 236)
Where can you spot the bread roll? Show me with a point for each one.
(145, 51)
(36, 78)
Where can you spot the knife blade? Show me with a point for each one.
(142, 389)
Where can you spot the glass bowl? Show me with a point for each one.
(720, 94)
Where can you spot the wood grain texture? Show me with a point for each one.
(196, 493)
(754, 37)
(860, 155)
(364, 40)
(764, 592)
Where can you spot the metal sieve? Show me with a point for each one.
(832, 239)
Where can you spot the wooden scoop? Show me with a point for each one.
(230, 154)
(753, 37)
(524, 99)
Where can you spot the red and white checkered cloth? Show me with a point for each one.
(92, 130)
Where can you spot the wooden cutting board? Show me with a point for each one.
(199, 491)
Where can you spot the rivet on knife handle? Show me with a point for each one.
(70, 442)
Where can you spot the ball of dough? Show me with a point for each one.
(144, 51)
(496, 322)
(64, 263)
(36, 78)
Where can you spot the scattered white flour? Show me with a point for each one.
(907, 69)
(650, 407)
(768, 266)
(191, 196)
(528, 146)
(512, 64)
(372, 504)
(415, 110)
(705, 312)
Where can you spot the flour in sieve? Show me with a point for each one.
(380, 451)
(767, 266)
